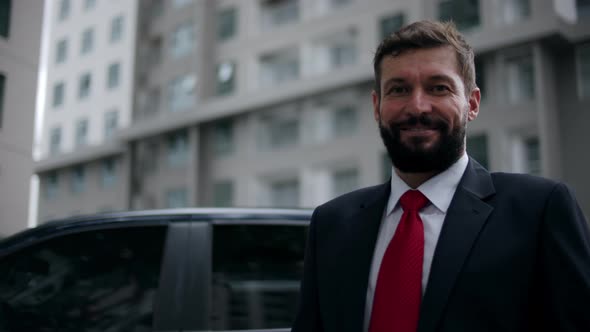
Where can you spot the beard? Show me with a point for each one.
(411, 156)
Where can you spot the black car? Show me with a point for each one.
(162, 270)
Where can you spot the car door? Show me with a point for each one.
(255, 267)
(97, 278)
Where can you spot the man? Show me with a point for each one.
(445, 245)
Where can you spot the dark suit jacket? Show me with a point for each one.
(513, 255)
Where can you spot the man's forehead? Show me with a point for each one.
(436, 61)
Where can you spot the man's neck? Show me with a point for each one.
(414, 180)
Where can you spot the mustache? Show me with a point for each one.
(426, 120)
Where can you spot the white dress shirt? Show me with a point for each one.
(439, 190)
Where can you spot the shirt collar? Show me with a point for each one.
(439, 189)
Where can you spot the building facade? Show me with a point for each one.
(267, 103)
(20, 42)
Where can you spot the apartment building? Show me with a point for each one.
(20, 40)
(267, 102)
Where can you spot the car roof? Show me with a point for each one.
(147, 217)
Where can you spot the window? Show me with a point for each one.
(84, 86)
(533, 155)
(284, 193)
(223, 193)
(108, 175)
(82, 132)
(477, 148)
(386, 166)
(61, 51)
(64, 10)
(58, 94)
(256, 274)
(2, 87)
(335, 51)
(345, 121)
(78, 178)
(344, 181)
(226, 78)
(113, 273)
(226, 23)
(54, 140)
(51, 185)
(87, 41)
(111, 120)
(279, 131)
(520, 80)
(177, 154)
(176, 198)
(5, 18)
(465, 13)
(275, 13)
(324, 7)
(113, 75)
(181, 95)
(279, 67)
(182, 40)
(480, 75)
(390, 24)
(89, 4)
(223, 137)
(583, 8)
(512, 11)
(583, 72)
(116, 29)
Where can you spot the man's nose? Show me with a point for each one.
(419, 102)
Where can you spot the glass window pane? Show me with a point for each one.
(477, 148)
(84, 86)
(226, 23)
(177, 154)
(256, 275)
(284, 193)
(465, 13)
(61, 51)
(58, 94)
(77, 180)
(87, 41)
(345, 121)
(82, 132)
(223, 193)
(226, 78)
(103, 280)
(5, 12)
(55, 140)
(520, 79)
(390, 24)
(113, 75)
(116, 29)
(278, 12)
(533, 155)
(176, 198)
(223, 137)
(344, 181)
(583, 57)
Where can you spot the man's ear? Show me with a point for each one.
(376, 113)
(474, 99)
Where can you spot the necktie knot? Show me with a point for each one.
(413, 200)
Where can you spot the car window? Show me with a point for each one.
(101, 280)
(256, 275)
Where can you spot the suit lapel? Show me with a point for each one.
(361, 232)
(465, 218)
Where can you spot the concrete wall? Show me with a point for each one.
(19, 56)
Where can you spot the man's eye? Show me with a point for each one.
(398, 90)
(440, 88)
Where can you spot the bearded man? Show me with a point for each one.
(444, 245)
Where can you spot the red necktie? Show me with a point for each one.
(396, 303)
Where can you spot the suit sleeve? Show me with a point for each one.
(565, 263)
(308, 318)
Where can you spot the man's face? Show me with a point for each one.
(423, 110)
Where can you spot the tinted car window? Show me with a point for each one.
(102, 280)
(256, 275)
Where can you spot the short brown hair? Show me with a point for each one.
(428, 34)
